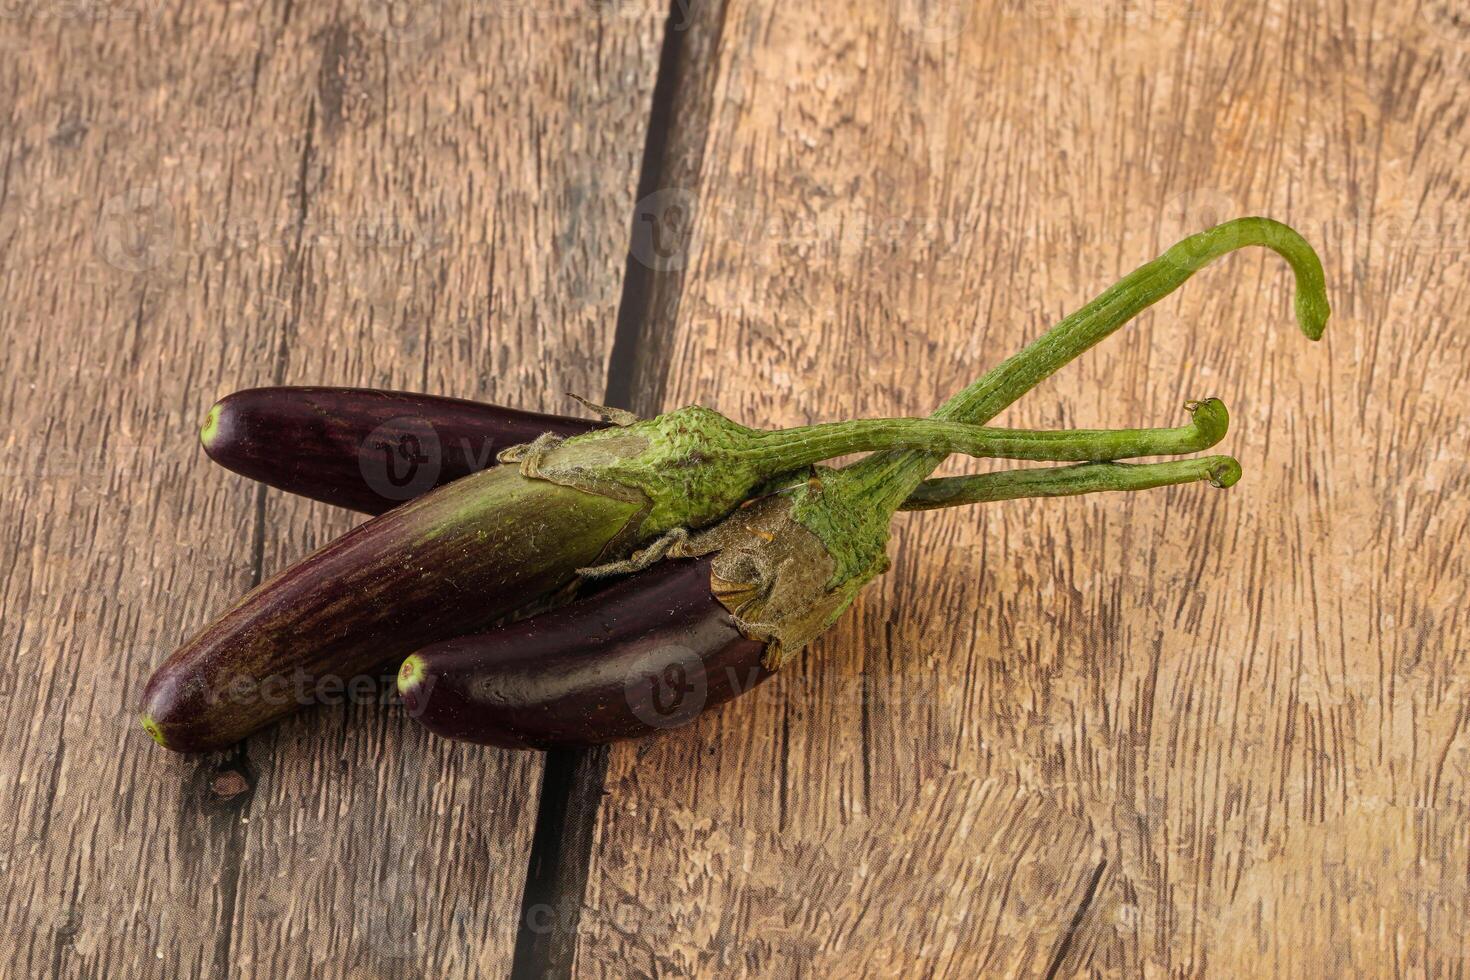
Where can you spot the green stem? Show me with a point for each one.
(1068, 481)
(889, 478)
(813, 443)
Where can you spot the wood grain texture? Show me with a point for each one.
(200, 197)
(1180, 733)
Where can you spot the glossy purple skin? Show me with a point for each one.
(649, 653)
(447, 564)
(365, 449)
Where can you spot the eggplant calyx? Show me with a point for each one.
(777, 578)
(690, 466)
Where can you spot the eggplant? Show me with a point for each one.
(365, 449)
(653, 649)
(648, 653)
(448, 563)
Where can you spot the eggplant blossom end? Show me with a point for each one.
(152, 728)
(209, 431)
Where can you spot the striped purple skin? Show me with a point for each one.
(364, 449)
(446, 564)
(648, 653)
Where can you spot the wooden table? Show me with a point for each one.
(1177, 733)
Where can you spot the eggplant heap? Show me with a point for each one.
(729, 549)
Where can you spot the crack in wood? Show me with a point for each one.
(572, 784)
(1065, 946)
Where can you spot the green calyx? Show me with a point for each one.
(774, 576)
(686, 467)
(844, 523)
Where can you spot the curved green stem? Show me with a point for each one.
(813, 443)
(892, 476)
(1068, 481)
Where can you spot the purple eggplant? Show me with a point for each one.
(648, 653)
(365, 449)
(446, 564)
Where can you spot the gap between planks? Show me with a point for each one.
(572, 780)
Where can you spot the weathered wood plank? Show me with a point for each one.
(196, 198)
(477, 209)
(1217, 730)
(122, 175)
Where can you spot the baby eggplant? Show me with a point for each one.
(364, 449)
(656, 648)
(448, 563)
(649, 652)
